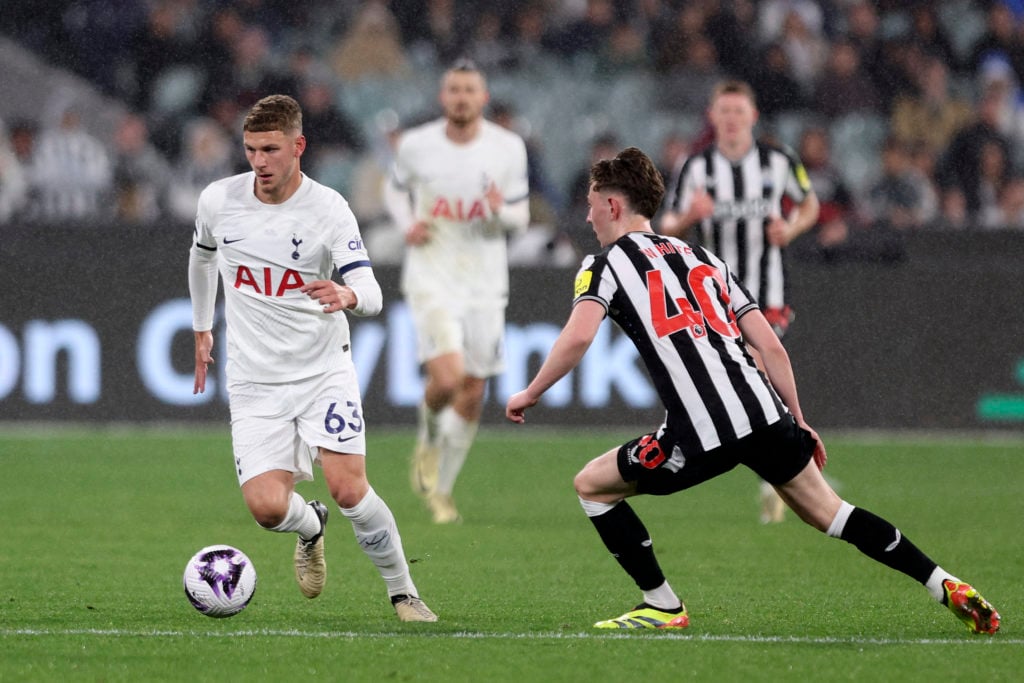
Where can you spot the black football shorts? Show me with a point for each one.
(659, 465)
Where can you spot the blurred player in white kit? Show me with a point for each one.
(457, 190)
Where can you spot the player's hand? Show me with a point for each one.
(515, 409)
(418, 234)
(819, 455)
(701, 204)
(204, 347)
(495, 200)
(778, 231)
(332, 296)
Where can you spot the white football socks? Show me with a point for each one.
(456, 438)
(934, 583)
(663, 598)
(377, 534)
(300, 518)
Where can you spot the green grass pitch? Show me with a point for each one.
(98, 525)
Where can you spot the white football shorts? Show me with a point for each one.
(283, 426)
(478, 333)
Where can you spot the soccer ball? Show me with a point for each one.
(219, 581)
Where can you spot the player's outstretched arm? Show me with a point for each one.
(204, 356)
(565, 354)
(760, 335)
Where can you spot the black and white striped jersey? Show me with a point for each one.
(680, 305)
(746, 194)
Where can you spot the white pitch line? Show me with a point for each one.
(477, 635)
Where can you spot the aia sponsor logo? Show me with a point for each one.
(267, 282)
(458, 210)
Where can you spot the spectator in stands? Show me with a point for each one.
(729, 27)
(372, 46)
(434, 31)
(337, 135)
(206, 156)
(773, 15)
(682, 28)
(141, 173)
(162, 42)
(879, 56)
(927, 32)
(625, 51)
(250, 73)
(777, 90)
(1008, 211)
(13, 183)
(844, 87)
(574, 222)
(223, 29)
(933, 115)
(586, 35)
(993, 178)
(895, 200)
(961, 164)
(806, 48)
(528, 34)
(998, 78)
(1001, 38)
(687, 87)
(488, 46)
(71, 175)
(836, 215)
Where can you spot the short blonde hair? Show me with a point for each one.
(274, 112)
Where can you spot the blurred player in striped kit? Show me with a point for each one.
(733, 192)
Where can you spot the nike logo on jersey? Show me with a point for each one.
(343, 439)
(227, 241)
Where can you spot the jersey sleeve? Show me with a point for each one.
(203, 232)
(202, 263)
(740, 300)
(517, 184)
(798, 183)
(347, 248)
(594, 282)
(401, 173)
(688, 183)
(674, 191)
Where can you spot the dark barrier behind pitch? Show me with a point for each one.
(95, 326)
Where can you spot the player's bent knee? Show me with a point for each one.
(268, 517)
(586, 485)
(348, 494)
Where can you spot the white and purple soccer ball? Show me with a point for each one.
(219, 581)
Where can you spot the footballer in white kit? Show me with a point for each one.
(464, 265)
(458, 188)
(277, 335)
(277, 236)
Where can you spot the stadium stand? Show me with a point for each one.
(573, 71)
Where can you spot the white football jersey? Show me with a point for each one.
(465, 259)
(265, 254)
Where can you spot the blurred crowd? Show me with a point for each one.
(934, 89)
